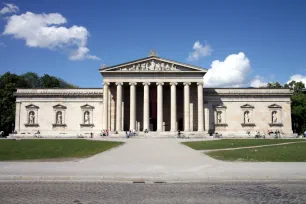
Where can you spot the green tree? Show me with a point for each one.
(32, 79)
(274, 85)
(8, 85)
(296, 87)
(48, 81)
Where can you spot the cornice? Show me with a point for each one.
(246, 92)
(59, 92)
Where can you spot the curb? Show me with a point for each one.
(103, 179)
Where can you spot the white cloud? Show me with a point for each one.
(44, 31)
(9, 8)
(199, 51)
(297, 78)
(258, 81)
(82, 53)
(232, 72)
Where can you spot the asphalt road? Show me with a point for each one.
(89, 192)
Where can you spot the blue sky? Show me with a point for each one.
(270, 36)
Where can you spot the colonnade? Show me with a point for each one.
(173, 113)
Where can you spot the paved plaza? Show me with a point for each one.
(151, 160)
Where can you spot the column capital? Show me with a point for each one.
(119, 83)
(173, 83)
(187, 83)
(146, 83)
(200, 83)
(133, 83)
(106, 84)
(159, 83)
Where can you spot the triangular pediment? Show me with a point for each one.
(59, 106)
(32, 106)
(274, 106)
(247, 106)
(221, 106)
(153, 64)
(86, 106)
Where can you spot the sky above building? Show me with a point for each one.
(241, 43)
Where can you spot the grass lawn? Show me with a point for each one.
(232, 143)
(284, 153)
(52, 148)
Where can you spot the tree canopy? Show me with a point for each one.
(8, 85)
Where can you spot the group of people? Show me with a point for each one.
(130, 133)
(105, 132)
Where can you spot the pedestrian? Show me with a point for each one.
(305, 133)
(126, 134)
(106, 132)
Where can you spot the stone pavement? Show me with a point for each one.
(122, 193)
(152, 160)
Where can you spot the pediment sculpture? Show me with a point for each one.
(152, 65)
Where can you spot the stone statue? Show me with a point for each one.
(86, 118)
(152, 66)
(162, 65)
(59, 119)
(31, 118)
(246, 117)
(274, 117)
(143, 66)
(219, 117)
(133, 68)
(167, 67)
(173, 67)
(157, 66)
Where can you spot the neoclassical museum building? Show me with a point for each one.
(155, 94)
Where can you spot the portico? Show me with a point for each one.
(148, 94)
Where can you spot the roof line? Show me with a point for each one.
(151, 57)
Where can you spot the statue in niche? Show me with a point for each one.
(274, 117)
(152, 66)
(31, 118)
(246, 117)
(86, 118)
(59, 118)
(219, 117)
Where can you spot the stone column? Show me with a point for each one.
(186, 106)
(146, 119)
(17, 117)
(133, 105)
(105, 105)
(119, 107)
(200, 107)
(160, 106)
(206, 117)
(173, 107)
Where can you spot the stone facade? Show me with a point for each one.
(153, 94)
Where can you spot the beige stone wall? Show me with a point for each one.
(45, 115)
(260, 114)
